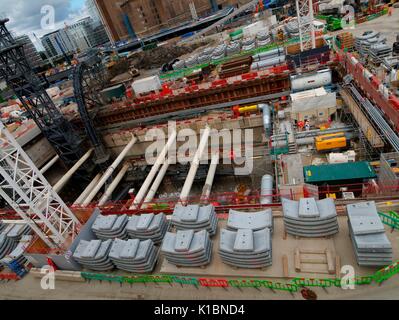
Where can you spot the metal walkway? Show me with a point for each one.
(377, 117)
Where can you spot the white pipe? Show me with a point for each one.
(206, 191)
(160, 160)
(114, 184)
(194, 166)
(109, 171)
(64, 180)
(88, 189)
(49, 164)
(157, 182)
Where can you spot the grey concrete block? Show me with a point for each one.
(250, 220)
(308, 208)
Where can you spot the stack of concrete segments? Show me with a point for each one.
(191, 62)
(365, 41)
(233, 48)
(17, 255)
(194, 217)
(248, 44)
(134, 255)
(310, 218)
(6, 245)
(372, 246)
(254, 221)
(179, 65)
(187, 248)
(204, 58)
(379, 51)
(110, 227)
(219, 52)
(208, 51)
(93, 255)
(147, 226)
(263, 38)
(246, 248)
(16, 231)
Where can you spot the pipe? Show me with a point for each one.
(114, 184)
(160, 160)
(154, 188)
(266, 190)
(194, 166)
(109, 171)
(268, 63)
(64, 180)
(206, 191)
(266, 117)
(49, 164)
(88, 189)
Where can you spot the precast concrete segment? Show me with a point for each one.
(148, 226)
(110, 227)
(109, 171)
(371, 245)
(246, 248)
(194, 217)
(93, 255)
(310, 218)
(187, 248)
(158, 162)
(250, 220)
(134, 255)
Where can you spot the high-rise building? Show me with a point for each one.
(87, 34)
(58, 42)
(77, 37)
(31, 52)
(123, 19)
(93, 12)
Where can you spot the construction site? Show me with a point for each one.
(254, 158)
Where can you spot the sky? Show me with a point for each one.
(27, 16)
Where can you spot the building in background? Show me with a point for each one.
(31, 52)
(77, 37)
(93, 12)
(58, 42)
(125, 19)
(87, 34)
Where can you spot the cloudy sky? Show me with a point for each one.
(26, 15)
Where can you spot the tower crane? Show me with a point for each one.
(304, 9)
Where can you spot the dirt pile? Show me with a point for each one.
(155, 58)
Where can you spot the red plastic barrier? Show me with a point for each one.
(220, 82)
(249, 76)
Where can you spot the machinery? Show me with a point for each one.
(331, 141)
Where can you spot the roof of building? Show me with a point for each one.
(339, 171)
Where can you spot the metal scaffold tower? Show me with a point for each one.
(304, 9)
(27, 86)
(27, 191)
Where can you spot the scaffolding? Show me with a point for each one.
(27, 191)
(304, 9)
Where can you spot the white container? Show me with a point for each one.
(146, 85)
(311, 81)
(266, 189)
